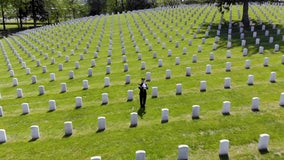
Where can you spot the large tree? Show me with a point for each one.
(224, 5)
(37, 11)
(96, 6)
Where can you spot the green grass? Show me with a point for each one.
(160, 141)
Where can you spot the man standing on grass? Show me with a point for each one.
(143, 93)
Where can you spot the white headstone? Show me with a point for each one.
(15, 82)
(211, 56)
(90, 72)
(224, 147)
(276, 47)
(52, 76)
(281, 101)
(52, 105)
(71, 74)
(127, 79)
(165, 115)
(154, 54)
(96, 158)
(130, 95)
(177, 44)
(63, 87)
(163, 45)
(261, 49)
(255, 104)
(188, 71)
(250, 79)
(254, 34)
(104, 98)
(133, 119)
(226, 107)
(208, 69)
(41, 90)
(177, 60)
(140, 155)
(199, 48)
(229, 44)
(139, 56)
(178, 89)
(263, 142)
(195, 111)
(160, 63)
(154, 92)
(266, 60)
(271, 39)
(52, 61)
(202, 86)
(44, 69)
(34, 79)
(247, 65)
(184, 50)
(257, 41)
(79, 102)
(169, 53)
(85, 84)
(25, 108)
(143, 65)
(243, 43)
(68, 128)
(272, 77)
(101, 123)
(194, 58)
(168, 74)
(77, 65)
(19, 93)
(35, 132)
(148, 76)
(60, 67)
(107, 82)
(183, 152)
(245, 52)
(3, 137)
(227, 83)
(228, 66)
(1, 112)
(228, 54)
(28, 71)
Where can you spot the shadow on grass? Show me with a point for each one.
(141, 112)
(224, 157)
(263, 151)
(248, 36)
(67, 135)
(100, 130)
(33, 139)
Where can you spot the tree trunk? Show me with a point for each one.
(122, 5)
(245, 18)
(21, 19)
(3, 18)
(34, 12)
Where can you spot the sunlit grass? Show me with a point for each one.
(160, 141)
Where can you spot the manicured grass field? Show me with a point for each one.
(160, 141)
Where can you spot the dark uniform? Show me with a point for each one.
(143, 93)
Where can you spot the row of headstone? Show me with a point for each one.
(224, 144)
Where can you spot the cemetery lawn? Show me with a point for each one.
(160, 140)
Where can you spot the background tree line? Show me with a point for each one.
(54, 11)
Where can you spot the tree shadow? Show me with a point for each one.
(236, 39)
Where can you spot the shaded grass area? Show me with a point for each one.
(242, 127)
